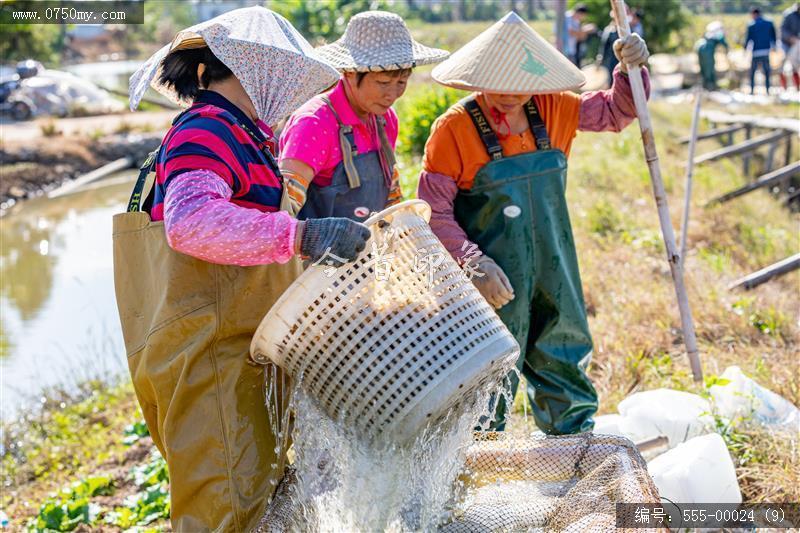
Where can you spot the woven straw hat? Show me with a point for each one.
(376, 41)
(509, 58)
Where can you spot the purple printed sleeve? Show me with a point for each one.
(440, 192)
(201, 221)
(612, 109)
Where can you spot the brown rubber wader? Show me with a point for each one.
(187, 326)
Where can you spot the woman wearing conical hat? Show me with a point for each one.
(494, 172)
(337, 150)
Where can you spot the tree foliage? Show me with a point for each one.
(25, 41)
(661, 19)
(325, 20)
(162, 20)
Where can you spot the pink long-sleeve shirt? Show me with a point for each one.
(311, 134)
(200, 220)
(454, 152)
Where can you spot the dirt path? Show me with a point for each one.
(13, 133)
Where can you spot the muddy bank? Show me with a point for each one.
(46, 163)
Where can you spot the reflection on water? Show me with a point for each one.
(59, 318)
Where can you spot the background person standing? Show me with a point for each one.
(706, 48)
(760, 40)
(790, 41)
(573, 32)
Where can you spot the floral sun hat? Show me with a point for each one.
(278, 69)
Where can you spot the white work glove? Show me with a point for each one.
(494, 284)
(632, 50)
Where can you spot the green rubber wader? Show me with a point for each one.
(516, 212)
(705, 56)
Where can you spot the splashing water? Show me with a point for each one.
(346, 482)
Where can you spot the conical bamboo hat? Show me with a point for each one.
(509, 58)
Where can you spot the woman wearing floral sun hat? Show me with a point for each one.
(337, 150)
(494, 172)
(203, 252)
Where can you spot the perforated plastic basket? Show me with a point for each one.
(393, 340)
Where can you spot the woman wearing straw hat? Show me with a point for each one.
(201, 257)
(494, 172)
(337, 150)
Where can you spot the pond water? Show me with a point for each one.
(58, 315)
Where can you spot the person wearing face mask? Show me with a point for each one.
(494, 173)
(203, 252)
(706, 51)
(337, 150)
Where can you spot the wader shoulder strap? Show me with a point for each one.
(148, 167)
(386, 149)
(135, 202)
(347, 143)
(537, 126)
(273, 165)
(487, 134)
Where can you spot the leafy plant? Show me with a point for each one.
(134, 432)
(770, 322)
(151, 503)
(72, 506)
(711, 380)
(418, 111)
(604, 218)
(50, 129)
(152, 473)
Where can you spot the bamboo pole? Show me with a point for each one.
(767, 273)
(716, 132)
(77, 184)
(640, 99)
(698, 96)
(767, 180)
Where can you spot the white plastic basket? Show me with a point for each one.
(388, 353)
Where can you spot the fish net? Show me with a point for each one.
(565, 483)
(509, 483)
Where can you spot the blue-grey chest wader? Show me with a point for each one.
(516, 213)
(187, 326)
(361, 182)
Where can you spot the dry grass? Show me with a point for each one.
(627, 281)
(628, 288)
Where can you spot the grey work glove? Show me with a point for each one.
(494, 284)
(337, 240)
(632, 50)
